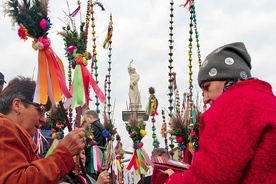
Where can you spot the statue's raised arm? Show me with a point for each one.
(130, 67)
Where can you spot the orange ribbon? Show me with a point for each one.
(51, 79)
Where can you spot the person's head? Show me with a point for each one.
(230, 62)
(157, 152)
(91, 116)
(16, 102)
(2, 81)
(82, 157)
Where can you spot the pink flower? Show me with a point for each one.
(89, 55)
(59, 125)
(192, 133)
(139, 145)
(71, 49)
(43, 24)
(42, 43)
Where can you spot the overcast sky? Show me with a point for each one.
(141, 33)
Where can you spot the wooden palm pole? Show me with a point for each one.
(78, 56)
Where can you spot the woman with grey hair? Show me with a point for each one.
(20, 118)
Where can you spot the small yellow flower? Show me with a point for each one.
(143, 132)
(54, 135)
(85, 62)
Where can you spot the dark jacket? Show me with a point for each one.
(97, 128)
(72, 178)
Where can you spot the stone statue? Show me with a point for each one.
(134, 95)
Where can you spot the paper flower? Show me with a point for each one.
(136, 129)
(179, 139)
(56, 119)
(71, 49)
(22, 32)
(143, 132)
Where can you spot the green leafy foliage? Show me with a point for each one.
(29, 14)
(136, 129)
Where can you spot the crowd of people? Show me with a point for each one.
(84, 178)
(236, 135)
(20, 118)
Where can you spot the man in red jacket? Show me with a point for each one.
(238, 132)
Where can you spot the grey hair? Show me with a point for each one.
(19, 87)
(92, 113)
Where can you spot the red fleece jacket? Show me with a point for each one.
(237, 138)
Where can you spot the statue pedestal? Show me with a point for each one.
(141, 115)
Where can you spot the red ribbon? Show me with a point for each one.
(132, 162)
(87, 78)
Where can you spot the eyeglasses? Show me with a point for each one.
(39, 107)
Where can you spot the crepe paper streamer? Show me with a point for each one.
(138, 162)
(51, 79)
(163, 130)
(152, 105)
(174, 81)
(96, 158)
(40, 141)
(75, 12)
(133, 162)
(193, 116)
(186, 3)
(191, 148)
(106, 43)
(82, 79)
(52, 147)
(118, 147)
(119, 171)
(109, 154)
(188, 156)
(146, 157)
(80, 86)
(78, 93)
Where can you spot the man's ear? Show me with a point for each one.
(16, 105)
